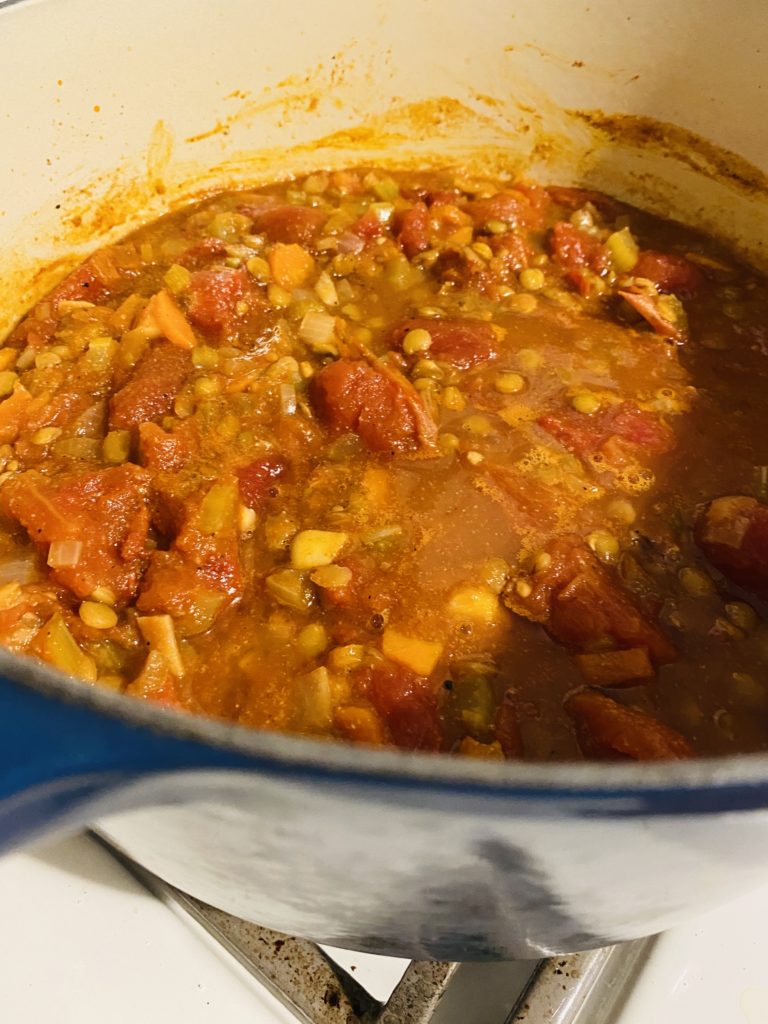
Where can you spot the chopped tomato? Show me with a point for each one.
(83, 284)
(522, 206)
(669, 272)
(573, 248)
(106, 511)
(584, 435)
(413, 234)
(14, 413)
(152, 387)
(584, 606)
(441, 197)
(350, 395)
(214, 294)
(201, 253)
(610, 731)
(367, 227)
(173, 585)
(299, 225)
(161, 451)
(462, 343)
(733, 533)
(408, 705)
(257, 477)
(513, 249)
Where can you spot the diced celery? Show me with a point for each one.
(177, 279)
(312, 640)
(288, 587)
(623, 249)
(59, 648)
(312, 548)
(218, 509)
(314, 710)
(386, 189)
(470, 703)
(159, 632)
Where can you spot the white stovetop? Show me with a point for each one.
(82, 943)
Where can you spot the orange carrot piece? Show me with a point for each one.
(163, 315)
(14, 411)
(361, 725)
(290, 265)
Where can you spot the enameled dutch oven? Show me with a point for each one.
(109, 114)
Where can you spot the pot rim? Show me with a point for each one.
(299, 755)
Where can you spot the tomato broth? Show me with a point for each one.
(411, 459)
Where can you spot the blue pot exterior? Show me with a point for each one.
(408, 855)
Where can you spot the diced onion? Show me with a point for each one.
(350, 242)
(382, 212)
(64, 554)
(159, 632)
(287, 399)
(18, 570)
(317, 328)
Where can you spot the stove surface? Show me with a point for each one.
(81, 940)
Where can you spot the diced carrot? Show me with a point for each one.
(13, 413)
(291, 266)
(57, 646)
(361, 725)
(163, 315)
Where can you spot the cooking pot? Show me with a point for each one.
(112, 113)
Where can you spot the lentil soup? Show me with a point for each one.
(413, 459)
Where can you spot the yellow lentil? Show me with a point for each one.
(509, 382)
(696, 583)
(97, 616)
(741, 615)
(312, 640)
(417, 340)
(522, 302)
(116, 446)
(452, 399)
(585, 402)
(45, 435)
(479, 425)
(532, 279)
(605, 545)
(529, 359)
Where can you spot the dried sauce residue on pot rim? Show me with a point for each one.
(494, 136)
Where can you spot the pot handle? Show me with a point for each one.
(59, 760)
